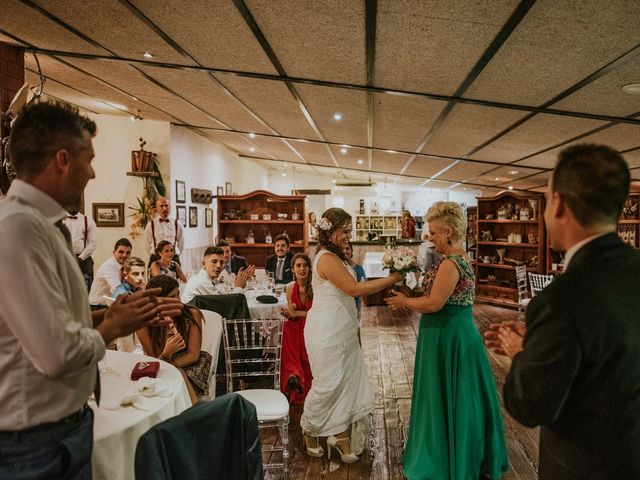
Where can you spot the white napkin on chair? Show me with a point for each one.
(146, 395)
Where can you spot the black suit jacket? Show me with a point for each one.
(287, 273)
(237, 262)
(216, 439)
(579, 373)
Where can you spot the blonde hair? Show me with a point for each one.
(133, 262)
(452, 215)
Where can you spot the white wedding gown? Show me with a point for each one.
(340, 393)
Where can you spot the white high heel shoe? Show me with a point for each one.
(334, 442)
(313, 451)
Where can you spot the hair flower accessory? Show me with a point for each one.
(325, 224)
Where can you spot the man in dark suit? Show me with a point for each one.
(280, 262)
(576, 364)
(233, 262)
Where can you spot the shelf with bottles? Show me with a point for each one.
(471, 241)
(251, 222)
(509, 231)
(629, 225)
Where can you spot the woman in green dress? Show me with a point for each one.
(456, 429)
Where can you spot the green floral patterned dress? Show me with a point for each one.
(456, 429)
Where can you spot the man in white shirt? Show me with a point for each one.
(49, 348)
(163, 228)
(204, 282)
(84, 236)
(110, 274)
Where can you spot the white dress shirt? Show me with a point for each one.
(76, 228)
(164, 231)
(107, 278)
(201, 284)
(48, 348)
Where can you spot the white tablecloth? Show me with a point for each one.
(116, 432)
(266, 310)
(372, 265)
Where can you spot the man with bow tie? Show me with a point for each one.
(163, 228)
(84, 236)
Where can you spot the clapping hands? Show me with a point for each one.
(243, 275)
(505, 338)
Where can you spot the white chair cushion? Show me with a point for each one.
(270, 404)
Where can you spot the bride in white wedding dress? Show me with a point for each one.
(340, 398)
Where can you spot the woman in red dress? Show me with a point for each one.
(295, 372)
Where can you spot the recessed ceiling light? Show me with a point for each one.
(334, 180)
(147, 55)
(513, 172)
(632, 89)
(496, 178)
(510, 187)
(360, 161)
(343, 150)
(337, 116)
(284, 174)
(132, 118)
(252, 135)
(252, 149)
(284, 164)
(134, 98)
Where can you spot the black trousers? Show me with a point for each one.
(86, 267)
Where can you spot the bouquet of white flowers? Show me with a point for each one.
(400, 259)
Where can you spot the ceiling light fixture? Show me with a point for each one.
(632, 89)
(510, 187)
(284, 164)
(147, 55)
(252, 135)
(496, 178)
(337, 117)
(513, 172)
(343, 150)
(360, 161)
(252, 149)
(334, 180)
(284, 174)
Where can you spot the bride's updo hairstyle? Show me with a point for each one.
(330, 221)
(452, 215)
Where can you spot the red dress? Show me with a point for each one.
(294, 352)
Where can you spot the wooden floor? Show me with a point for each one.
(389, 343)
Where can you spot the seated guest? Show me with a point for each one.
(360, 275)
(166, 265)
(204, 282)
(109, 274)
(232, 262)
(295, 374)
(280, 262)
(134, 277)
(179, 343)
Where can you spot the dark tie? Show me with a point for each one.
(67, 236)
(72, 216)
(164, 220)
(279, 269)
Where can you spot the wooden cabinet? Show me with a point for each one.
(628, 230)
(381, 226)
(471, 244)
(246, 222)
(510, 232)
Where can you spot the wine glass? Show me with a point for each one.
(501, 252)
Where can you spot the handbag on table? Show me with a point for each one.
(145, 369)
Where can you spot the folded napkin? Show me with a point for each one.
(411, 280)
(146, 395)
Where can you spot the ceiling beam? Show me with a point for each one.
(371, 14)
(273, 58)
(346, 86)
(505, 32)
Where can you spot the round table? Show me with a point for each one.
(116, 432)
(265, 310)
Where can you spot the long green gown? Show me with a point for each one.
(456, 429)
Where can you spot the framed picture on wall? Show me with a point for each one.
(208, 217)
(193, 216)
(108, 214)
(181, 192)
(220, 191)
(228, 190)
(181, 213)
